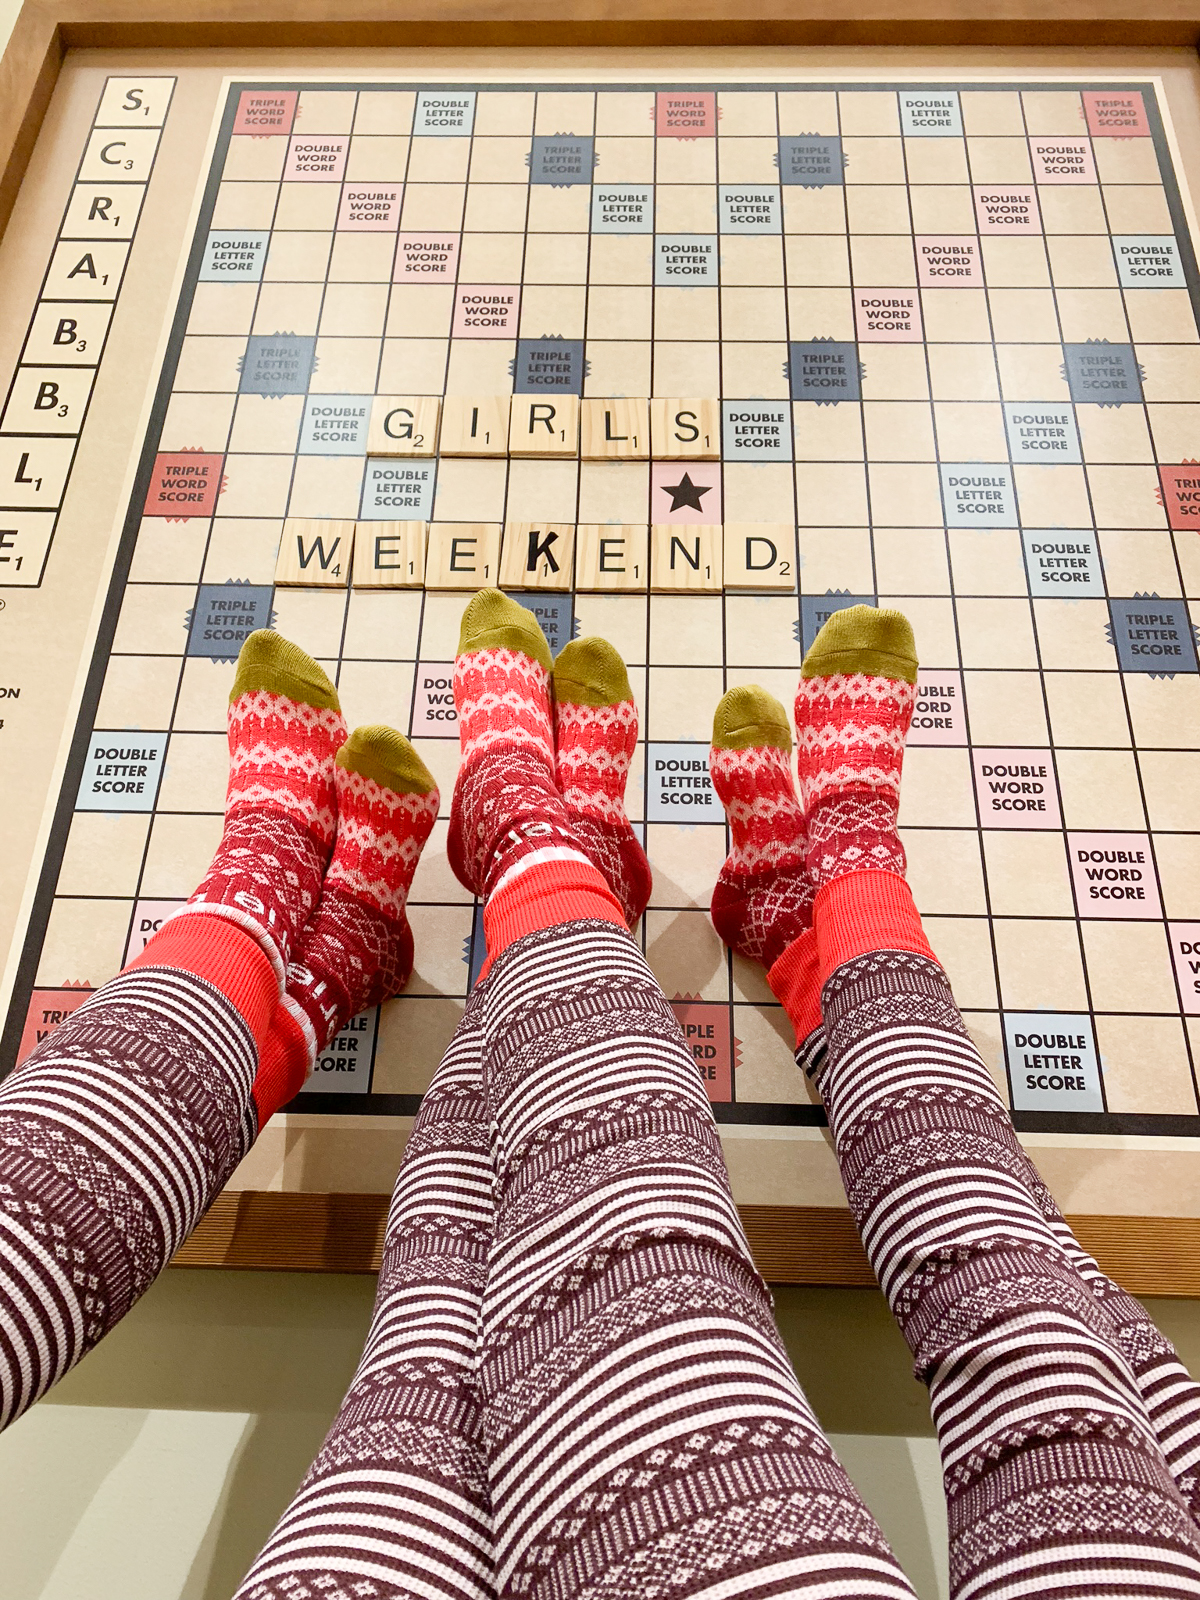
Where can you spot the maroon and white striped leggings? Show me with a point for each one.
(573, 1386)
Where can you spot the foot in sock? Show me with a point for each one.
(595, 735)
(853, 709)
(763, 898)
(285, 728)
(507, 811)
(358, 949)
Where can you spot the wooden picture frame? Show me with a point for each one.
(266, 1229)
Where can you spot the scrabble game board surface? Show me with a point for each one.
(689, 365)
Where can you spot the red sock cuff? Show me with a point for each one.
(283, 1065)
(226, 956)
(864, 911)
(543, 896)
(795, 982)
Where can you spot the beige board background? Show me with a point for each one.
(46, 633)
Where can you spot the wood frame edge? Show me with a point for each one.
(270, 1231)
(29, 70)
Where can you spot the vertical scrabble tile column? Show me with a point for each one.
(51, 388)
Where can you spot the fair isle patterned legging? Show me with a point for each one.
(572, 1386)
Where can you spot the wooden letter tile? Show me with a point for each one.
(616, 430)
(685, 558)
(314, 554)
(390, 555)
(462, 555)
(404, 425)
(537, 555)
(475, 425)
(544, 425)
(760, 556)
(685, 430)
(611, 555)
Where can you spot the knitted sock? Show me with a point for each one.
(507, 813)
(853, 709)
(285, 727)
(763, 897)
(595, 735)
(358, 949)
(763, 900)
(511, 838)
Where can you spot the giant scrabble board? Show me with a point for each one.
(688, 362)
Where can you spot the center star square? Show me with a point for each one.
(685, 491)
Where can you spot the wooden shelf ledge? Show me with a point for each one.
(266, 1231)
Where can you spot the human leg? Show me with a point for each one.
(118, 1132)
(397, 1497)
(1054, 1476)
(762, 908)
(643, 1426)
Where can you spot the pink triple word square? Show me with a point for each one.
(679, 115)
(1007, 208)
(49, 1007)
(486, 311)
(1062, 160)
(426, 258)
(706, 1032)
(888, 316)
(263, 111)
(370, 207)
(948, 261)
(316, 157)
(1016, 789)
(1114, 875)
(1115, 115)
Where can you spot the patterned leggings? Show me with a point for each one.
(572, 1384)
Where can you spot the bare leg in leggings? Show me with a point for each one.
(119, 1131)
(1044, 1380)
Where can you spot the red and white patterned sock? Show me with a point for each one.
(762, 905)
(853, 709)
(595, 735)
(507, 813)
(512, 840)
(285, 728)
(358, 949)
(763, 897)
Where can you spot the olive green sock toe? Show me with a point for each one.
(269, 661)
(748, 716)
(386, 756)
(864, 639)
(494, 622)
(590, 672)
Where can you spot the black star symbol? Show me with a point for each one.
(686, 493)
